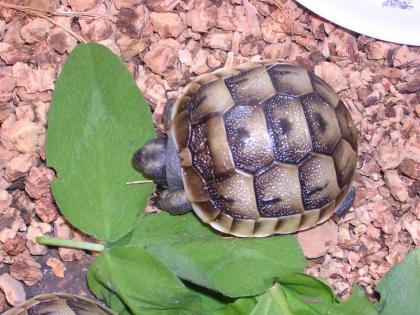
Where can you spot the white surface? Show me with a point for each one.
(383, 19)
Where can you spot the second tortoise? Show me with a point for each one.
(264, 148)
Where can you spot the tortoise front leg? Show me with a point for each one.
(173, 202)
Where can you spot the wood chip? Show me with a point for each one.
(61, 41)
(25, 268)
(57, 266)
(16, 53)
(96, 29)
(410, 168)
(38, 181)
(202, 20)
(404, 57)
(19, 135)
(10, 224)
(5, 200)
(13, 247)
(45, 208)
(277, 51)
(225, 17)
(413, 228)
(247, 21)
(24, 204)
(167, 24)
(63, 230)
(332, 74)
(317, 241)
(13, 289)
(35, 31)
(219, 40)
(36, 229)
(200, 62)
(33, 80)
(7, 84)
(396, 186)
(390, 155)
(82, 5)
(161, 56)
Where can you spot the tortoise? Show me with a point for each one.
(260, 149)
(60, 304)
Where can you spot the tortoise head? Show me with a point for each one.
(151, 160)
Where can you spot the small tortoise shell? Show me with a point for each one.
(62, 304)
(265, 148)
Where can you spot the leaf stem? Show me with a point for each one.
(134, 182)
(63, 242)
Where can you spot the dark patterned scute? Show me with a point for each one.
(318, 181)
(288, 127)
(201, 157)
(348, 131)
(278, 191)
(248, 137)
(250, 87)
(270, 141)
(322, 121)
(235, 195)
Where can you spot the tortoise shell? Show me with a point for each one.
(57, 303)
(265, 148)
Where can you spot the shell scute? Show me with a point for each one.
(250, 87)
(289, 79)
(209, 100)
(278, 191)
(235, 195)
(322, 122)
(318, 181)
(288, 128)
(248, 137)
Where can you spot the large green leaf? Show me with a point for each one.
(274, 302)
(400, 287)
(357, 303)
(300, 294)
(111, 299)
(308, 295)
(233, 266)
(132, 277)
(97, 120)
(242, 306)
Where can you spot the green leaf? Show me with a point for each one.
(297, 294)
(97, 120)
(242, 306)
(211, 300)
(400, 287)
(301, 294)
(142, 283)
(357, 303)
(274, 302)
(233, 266)
(103, 293)
(307, 295)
